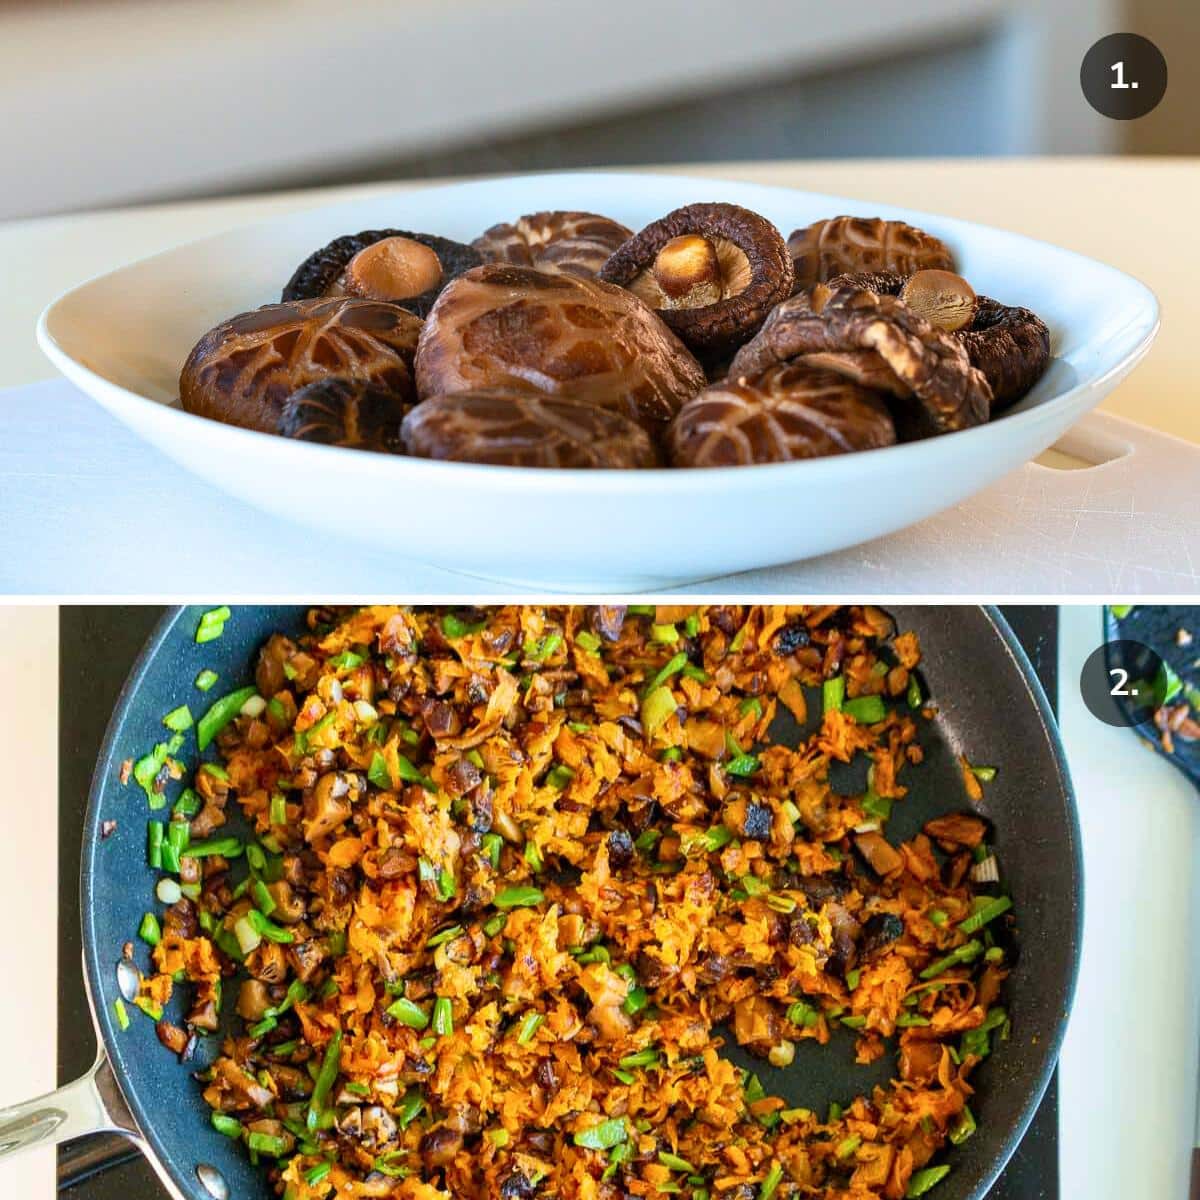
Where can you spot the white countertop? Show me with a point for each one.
(1128, 1072)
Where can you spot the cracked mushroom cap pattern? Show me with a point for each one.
(838, 245)
(516, 328)
(575, 243)
(243, 371)
(789, 412)
(523, 429)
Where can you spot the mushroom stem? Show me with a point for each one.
(394, 268)
(688, 271)
(945, 300)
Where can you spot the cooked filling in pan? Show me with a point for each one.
(494, 892)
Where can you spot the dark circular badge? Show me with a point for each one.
(1123, 76)
(1123, 682)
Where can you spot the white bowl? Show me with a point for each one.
(124, 336)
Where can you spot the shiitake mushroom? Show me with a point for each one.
(874, 338)
(345, 412)
(789, 412)
(517, 328)
(839, 245)
(408, 269)
(242, 371)
(517, 428)
(712, 272)
(577, 243)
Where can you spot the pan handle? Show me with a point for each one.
(90, 1105)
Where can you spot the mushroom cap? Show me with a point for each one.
(753, 259)
(243, 370)
(874, 338)
(790, 411)
(517, 328)
(322, 272)
(517, 428)
(576, 243)
(345, 412)
(1010, 345)
(837, 245)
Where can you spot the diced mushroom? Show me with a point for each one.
(253, 1000)
(439, 1146)
(328, 805)
(882, 857)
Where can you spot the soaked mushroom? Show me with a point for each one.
(242, 371)
(874, 338)
(515, 328)
(408, 269)
(523, 429)
(789, 412)
(575, 243)
(345, 412)
(839, 245)
(711, 271)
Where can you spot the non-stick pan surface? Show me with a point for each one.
(991, 709)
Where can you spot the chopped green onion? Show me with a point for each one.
(664, 633)
(226, 847)
(278, 810)
(315, 1175)
(529, 1026)
(643, 1058)
(984, 774)
(443, 1017)
(671, 667)
(453, 627)
(446, 935)
(146, 771)
(518, 897)
(922, 1181)
(964, 1128)
(691, 671)
(965, 953)
(675, 1163)
(938, 917)
(710, 841)
(637, 999)
(492, 844)
(324, 1082)
(212, 624)
(149, 930)
(833, 693)
(410, 1107)
(179, 719)
(914, 692)
(272, 932)
(121, 1014)
(495, 924)
(378, 773)
(267, 1143)
(559, 776)
(603, 1136)
(866, 710)
(657, 707)
(772, 1181)
(409, 774)
(345, 661)
(533, 856)
(154, 844)
(221, 713)
(229, 1126)
(987, 912)
(206, 679)
(852, 978)
(408, 1013)
(853, 1022)
(263, 898)
(625, 1077)
(188, 804)
(803, 1014)
(847, 1146)
(152, 1009)
(588, 640)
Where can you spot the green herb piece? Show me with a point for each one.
(188, 804)
(266, 1143)
(443, 1017)
(835, 1113)
(377, 772)
(670, 668)
(408, 1013)
(226, 847)
(643, 1058)
(410, 774)
(559, 776)
(984, 774)
(446, 935)
(212, 624)
(278, 809)
(518, 897)
(146, 771)
(772, 1181)
(656, 709)
(263, 899)
(324, 1082)
(913, 695)
(315, 1175)
(492, 844)
(847, 1146)
(543, 648)
(227, 1125)
(220, 714)
(588, 641)
(675, 1163)
(667, 634)
(922, 1181)
(206, 679)
(410, 1107)
(742, 765)
(985, 913)
(691, 671)
(151, 1008)
(267, 929)
(347, 660)
(852, 978)
(390, 1164)
(637, 999)
(712, 840)
(833, 693)
(854, 1022)
(603, 1136)
(149, 930)
(533, 856)
(866, 710)
(179, 719)
(751, 704)
(529, 1026)
(121, 1014)
(803, 1014)
(965, 953)
(628, 1078)
(154, 844)
(963, 1128)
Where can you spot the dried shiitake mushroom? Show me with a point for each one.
(516, 328)
(789, 412)
(408, 269)
(242, 371)
(345, 412)
(577, 243)
(945, 300)
(875, 339)
(1010, 345)
(842, 244)
(525, 429)
(712, 272)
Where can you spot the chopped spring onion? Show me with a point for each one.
(278, 810)
(637, 999)
(272, 932)
(263, 899)
(168, 891)
(664, 633)
(446, 935)
(691, 625)
(220, 714)
(603, 1136)
(710, 841)
(691, 671)
(146, 771)
(588, 640)
(315, 1175)
(533, 856)
(986, 870)
(984, 774)
(559, 776)
(938, 917)
(671, 667)
(913, 695)
(529, 1026)
(410, 774)
(965, 953)
(154, 844)
(492, 844)
(248, 938)
(179, 719)
(518, 897)
(408, 1013)
(742, 765)
(231, 1127)
(847, 1146)
(866, 710)
(922, 1181)
(495, 925)
(454, 627)
(188, 804)
(226, 847)
(964, 1127)
(675, 1163)
(772, 1181)
(378, 772)
(543, 648)
(443, 1017)
(852, 978)
(206, 679)
(121, 1014)
(643, 1058)
(803, 1014)
(212, 624)
(323, 1084)
(657, 707)
(751, 704)
(345, 661)
(988, 911)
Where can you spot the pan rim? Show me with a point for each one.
(163, 1162)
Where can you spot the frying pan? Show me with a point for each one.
(991, 708)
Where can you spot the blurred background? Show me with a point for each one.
(108, 102)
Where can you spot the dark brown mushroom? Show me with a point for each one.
(242, 371)
(512, 327)
(1011, 346)
(791, 411)
(345, 412)
(408, 269)
(838, 245)
(874, 338)
(575, 243)
(522, 429)
(711, 271)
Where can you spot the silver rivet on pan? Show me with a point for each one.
(129, 980)
(213, 1180)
